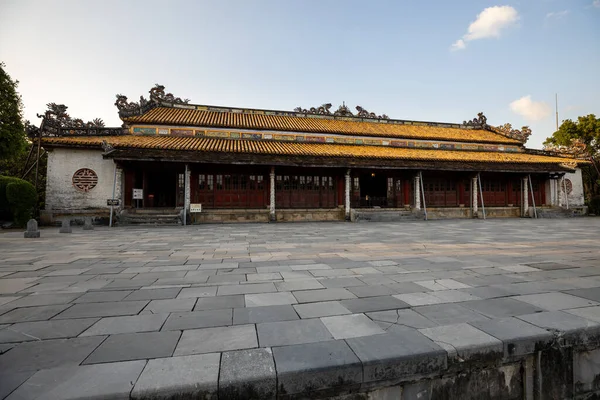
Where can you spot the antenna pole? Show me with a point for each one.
(556, 99)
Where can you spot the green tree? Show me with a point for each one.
(12, 128)
(585, 130)
(581, 138)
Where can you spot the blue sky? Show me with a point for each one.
(392, 57)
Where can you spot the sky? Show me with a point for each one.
(435, 60)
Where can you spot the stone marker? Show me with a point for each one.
(87, 224)
(66, 226)
(32, 229)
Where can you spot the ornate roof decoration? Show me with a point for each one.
(479, 122)
(57, 122)
(157, 98)
(342, 111)
(322, 110)
(577, 149)
(507, 130)
(365, 114)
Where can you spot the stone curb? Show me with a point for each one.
(338, 367)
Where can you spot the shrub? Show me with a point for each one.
(594, 205)
(5, 208)
(17, 197)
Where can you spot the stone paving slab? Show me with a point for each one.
(314, 307)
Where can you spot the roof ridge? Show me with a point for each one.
(158, 98)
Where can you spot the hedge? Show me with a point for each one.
(17, 199)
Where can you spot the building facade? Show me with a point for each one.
(228, 164)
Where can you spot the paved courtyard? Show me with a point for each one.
(112, 313)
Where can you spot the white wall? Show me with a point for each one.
(60, 192)
(576, 197)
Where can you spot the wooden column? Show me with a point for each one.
(525, 194)
(474, 195)
(406, 193)
(347, 195)
(417, 193)
(461, 192)
(272, 216)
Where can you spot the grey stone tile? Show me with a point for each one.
(419, 299)
(341, 282)
(591, 313)
(299, 284)
(399, 354)
(34, 300)
(549, 266)
(487, 292)
(371, 291)
(316, 366)
(249, 288)
(205, 291)
(323, 309)
(215, 303)
(48, 353)
(556, 301)
(210, 340)
(198, 319)
(589, 293)
(126, 324)
(464, 341)
(502, 307)
(104, 381)
(292, 332)
(134, 346)
(170, 305)
(108, 309)
(197, 376)
(28, 314)
(43, 330)
(519, 337)
(560, 321)
(446, 314)
(405, 317)
(380, 303)
(101, 297)
(255, 315)
(15, 285)
(269, 299)
(10, 381)
(350, 326)
(248, 373)
(310, 296)
(153, 294)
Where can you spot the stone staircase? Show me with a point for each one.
(150, 216)
(385, 215)
(553, 212)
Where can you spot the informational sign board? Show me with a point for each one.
(196, 208)
(112, 202)
(138, 194)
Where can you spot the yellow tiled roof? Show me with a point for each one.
(300, 149)
(217, 119)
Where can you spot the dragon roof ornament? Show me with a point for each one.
(508, 131)
(577, 149)
(57, 122)
(479, 122)
(157, 98)
(342, 111)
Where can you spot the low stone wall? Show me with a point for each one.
(100, 216)
(249, 215)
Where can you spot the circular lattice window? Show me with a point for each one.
(85, 179)
(568, 185)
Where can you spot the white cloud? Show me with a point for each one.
(559, 14)
(530, 110)
(458, 45)
(596, 3)
(488, 24)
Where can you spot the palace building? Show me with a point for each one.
(221, 164)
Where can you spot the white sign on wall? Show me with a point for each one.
(138, 194)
